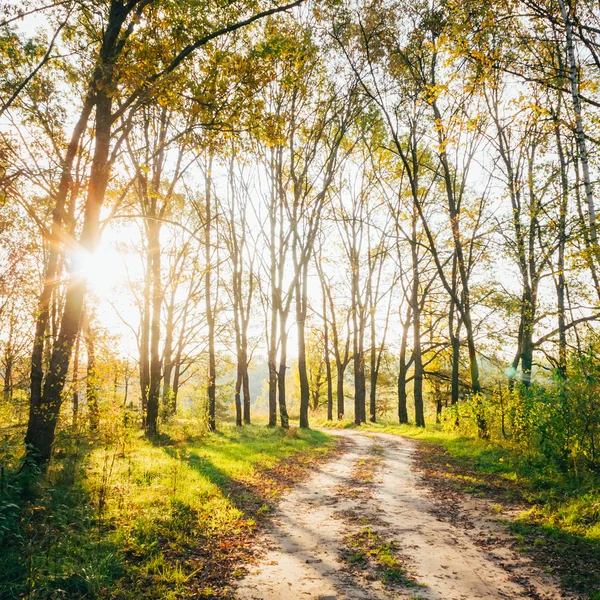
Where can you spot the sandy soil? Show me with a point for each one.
(450, 558)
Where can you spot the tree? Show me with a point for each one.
(109, 79)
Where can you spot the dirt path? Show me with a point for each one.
(328, 532)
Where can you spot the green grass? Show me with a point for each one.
(138, 519)
(366, 548)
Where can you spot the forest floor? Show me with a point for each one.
(266, 513)
(386, 518)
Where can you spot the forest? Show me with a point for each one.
(299, 300)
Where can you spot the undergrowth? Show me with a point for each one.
(134, 518)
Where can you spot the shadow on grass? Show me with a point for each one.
(573, 558)
(253, 490)
(244, 497)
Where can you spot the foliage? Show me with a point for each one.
(559, 421)
(113, 518)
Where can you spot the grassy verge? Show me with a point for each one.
(560, 529)
(168, 519)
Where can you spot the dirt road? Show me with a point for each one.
(364, 527)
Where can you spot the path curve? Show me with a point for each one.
(304, 548)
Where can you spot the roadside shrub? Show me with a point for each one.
(559, 420)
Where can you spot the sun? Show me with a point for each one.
(103, 269)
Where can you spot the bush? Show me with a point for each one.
(559, 420)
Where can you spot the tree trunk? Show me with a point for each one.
(358, 342)
(455, 379)
(402, 369)
(272, 389)
(155, 362)
(76, 381)
(8, 362)
(210, 320)
(176, 376)
(340, 370)
(301, 304)
(44, 415)
(238, 389)
(275, 302)
(454, 334)
(580, 132)
(359, 380)
(145, 340)
(246, 390)
(51, 272)
(92, 383)
(562, 240)
(373, 372)
(528, 320)
(416, 313)
(167, 395)
(283, 414)
(327, 365)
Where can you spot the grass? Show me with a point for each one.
(169, 518)
(366, 549)
(561, 528)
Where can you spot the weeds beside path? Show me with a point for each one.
(170, 519)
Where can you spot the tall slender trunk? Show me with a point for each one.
(210, 320)
(238, 391)
(340, 370)
(528, 319)
(416, 314)
(418, 372)
(92, 383)
(402, 369)
(455, 374)
(329, 381)
(156, 303)
(145, 339)
(283, 414)
(176, 376)
(76, 381)
(454, 334)
(301, 308)
(240, 355)
(358, 336)
(562, 240)
(438, 402)
(272, 385)
(359, 372)
(246, 390)
(327, 358)
(373, 372)
(579, 130)
(52, 267)
(167, 396)
(8, 362)
(275, 303)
